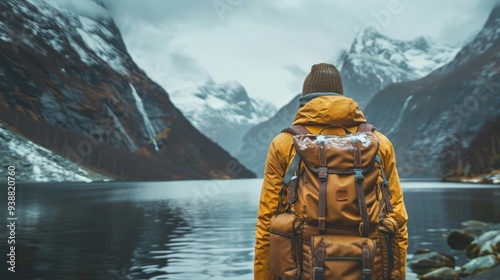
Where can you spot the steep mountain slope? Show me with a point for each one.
(256, 141)
(375, 61)
(69, 85)
(223, 112)
(36, 164)
(443, 123)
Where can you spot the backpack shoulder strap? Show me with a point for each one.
(296, 130)
(292, 167)
(366, 127)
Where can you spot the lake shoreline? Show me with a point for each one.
(489, 274)
(164, 228)
(492, 177)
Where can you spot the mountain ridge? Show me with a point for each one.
(438, 141)
(354, 79)
(222, 111)
(375, 61)
(69, 84)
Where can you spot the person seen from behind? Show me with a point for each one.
(325, 110)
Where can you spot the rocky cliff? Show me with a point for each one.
(447, 122)
(68, 84)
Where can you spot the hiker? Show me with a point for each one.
(325, 110)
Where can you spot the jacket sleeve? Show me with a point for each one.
(397, 201)
(273, 176)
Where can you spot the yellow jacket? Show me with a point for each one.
(331, 110)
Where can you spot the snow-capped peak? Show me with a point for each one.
(229, 98)
(375, 61)
(89, 31)
(418, 57)
(222, 111)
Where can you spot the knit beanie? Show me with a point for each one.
(323, 78)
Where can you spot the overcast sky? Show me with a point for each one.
(269, 45)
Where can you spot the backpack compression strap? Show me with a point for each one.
(359, 176)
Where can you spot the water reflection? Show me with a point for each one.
(215, 241)
(183, 230)
(138, 230)
(433, 212)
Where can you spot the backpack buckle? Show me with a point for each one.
(367, 273)
(323, 173)
(318, 273)
(358, 173)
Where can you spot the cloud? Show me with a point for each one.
(463, 22)
(90, 9)
(178, 71)
(161, 11)
(487, 5)
(296, 71)
(267, 45)
(187, 68)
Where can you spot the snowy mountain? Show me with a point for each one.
(375, 61)
(68, 84)
(447, 122)
(223, 112)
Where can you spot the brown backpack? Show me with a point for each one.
(335, 222)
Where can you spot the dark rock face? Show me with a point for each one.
(436, 121)
(68, 84)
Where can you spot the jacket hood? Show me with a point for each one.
(332, 110)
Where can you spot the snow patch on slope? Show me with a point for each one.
(83, 20)
(35, 163)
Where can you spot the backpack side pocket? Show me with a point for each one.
(388, 232)
(286, 245)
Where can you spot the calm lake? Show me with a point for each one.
(186, 230)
